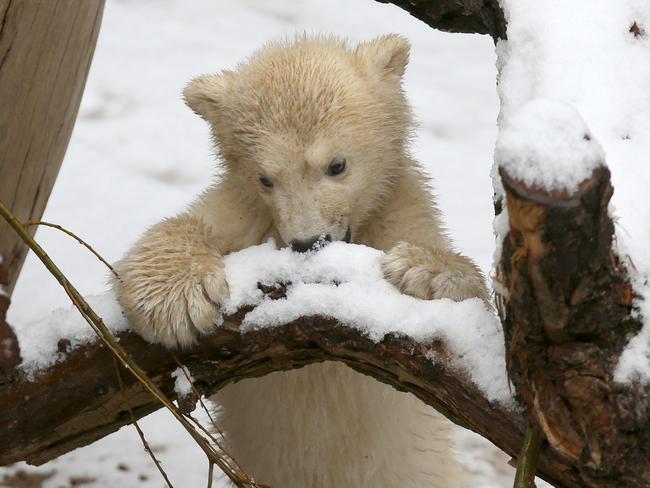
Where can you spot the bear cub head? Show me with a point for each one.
(317, 130)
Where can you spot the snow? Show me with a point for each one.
(46, 341)
(547, 144)
(182, 385)
(362, 299)
(585, 55)
(138, 154)
(500, 227)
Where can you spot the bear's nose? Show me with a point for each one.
(313, 242)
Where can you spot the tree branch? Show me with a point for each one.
(567, 318)
(78, 400)
(470, 16)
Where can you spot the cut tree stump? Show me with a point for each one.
(45, 52)
(567, 317)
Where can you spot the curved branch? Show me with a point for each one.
(470, 16)
(78, 401)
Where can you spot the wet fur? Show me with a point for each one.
(284, 115)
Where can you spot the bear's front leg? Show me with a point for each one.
(431, 273)
(172, 282)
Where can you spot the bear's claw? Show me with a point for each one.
(433, 273)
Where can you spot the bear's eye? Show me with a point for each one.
(337, 166)
(266, 182)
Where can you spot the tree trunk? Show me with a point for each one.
(45, 53)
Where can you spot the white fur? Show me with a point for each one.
(284, 116)
(327, 426)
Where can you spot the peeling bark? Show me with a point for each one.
(568, 316)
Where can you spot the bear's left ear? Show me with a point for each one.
(387, 56)
(205, 94)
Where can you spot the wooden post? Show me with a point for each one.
(45, 52)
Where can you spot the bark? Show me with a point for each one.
(568, 316)
(45, 53)
(470, 16)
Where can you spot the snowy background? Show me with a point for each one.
(138, 154)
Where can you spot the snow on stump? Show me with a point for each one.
(567, 301)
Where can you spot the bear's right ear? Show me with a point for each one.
(386, 56)
(205, 94)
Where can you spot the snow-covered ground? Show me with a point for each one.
(138, 154)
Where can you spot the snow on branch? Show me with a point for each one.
(77, 400)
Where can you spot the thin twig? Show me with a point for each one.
(125, 397)
(527, 460)
(239, 477)
(198, 395)
(76, 237)
(196, 392)
(127, 403)
(210, 474)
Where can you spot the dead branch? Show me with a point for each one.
(528, 459)
(567, 318)
(134, 422)
(76, 238)
(471, 16)
(221, 459)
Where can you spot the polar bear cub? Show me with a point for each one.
(313, 137)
